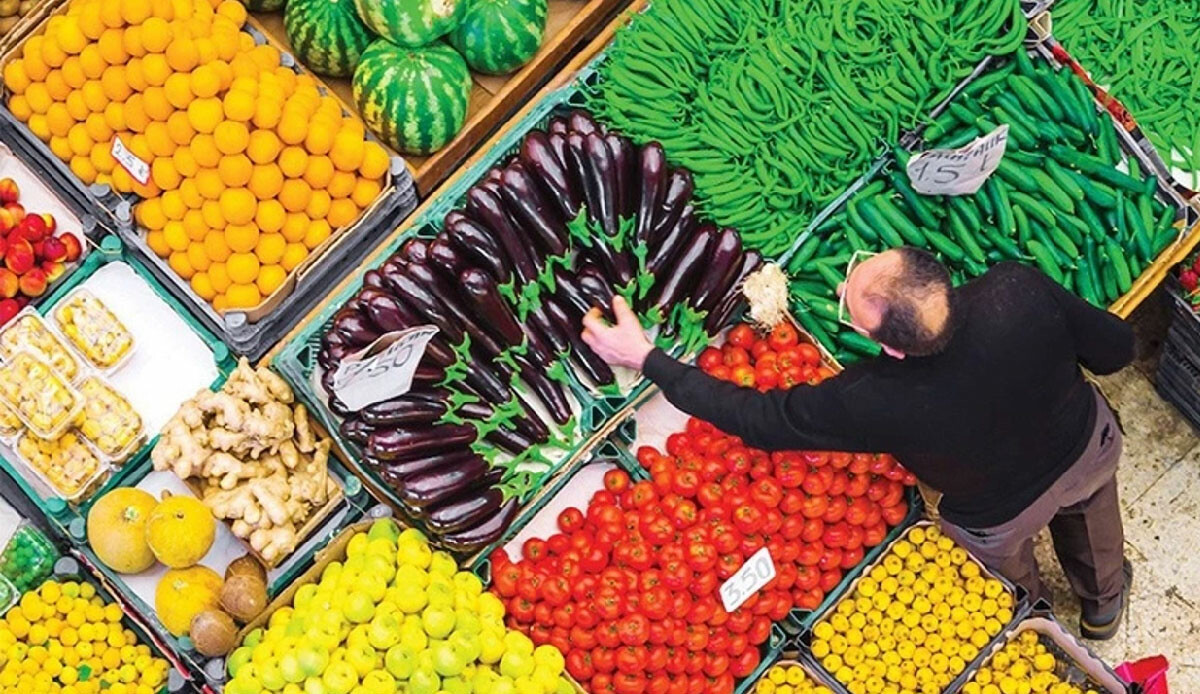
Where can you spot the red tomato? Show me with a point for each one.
(534, 549)
(760, 349)
(521, 610)
(813, 529)
(851, 557)
(767, 492)
(765, 377)
(659, 683)
(505, 579)
(783, 335)
(830, 579)
(835, 510)
(608, 635)
(710, 357)
(643, 494)
(570, 520)
(579, 665)
(634, 629)
(814, 485)
(809, 354)
(748, 518)
(616, 480)
(743, 375)
(742, 335)
(814, 506)
(605, 660)
(807, 577)
(894, 515)
(686, 483)
(583, 637)
(745, 663)
(701, 556)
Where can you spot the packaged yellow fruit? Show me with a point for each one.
(342, 213)
(180, 531)
(241, 238)
(238, 205)
(178, 262)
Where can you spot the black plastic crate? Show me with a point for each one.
(1178, 381)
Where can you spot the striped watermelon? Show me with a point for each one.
(327, 35)
(410, 23)
(499, 36)
(264, 5)
(414, 98)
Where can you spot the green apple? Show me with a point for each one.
(379, 682)
(246, 682)
(437, 621)
(383, 547)
(516, 641)
(289, 665)
(490, 608)
(424, 681)
(400, 661)
(412, 535)
(564, 687)
(263, 652)
(504, 685)
(359, 636)
(483, 680)
(363, 658)
(546, 679)
(315, 685)
(412, 634)
(491, 647)
(440, 592)
(340, 678)
(357, 545)
(467, 621)
(525, 683)
(447, 661)
(384, 631)
(330, 621)
(444, 564)
(296, 626)
(271, 676)
(469, 582)
(384, 528)
(516, 664)
(411, 600)
(253, 638)
(313, 659)
(374, 585)
(466, 645)
(549, 657)
(456, 685)
(358, 607)
(415, 554)
(304, 595)
(237, 659)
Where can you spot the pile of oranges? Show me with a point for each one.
(251, 168)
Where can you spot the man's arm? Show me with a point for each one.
(1103, 342)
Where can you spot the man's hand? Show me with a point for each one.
(623, 344)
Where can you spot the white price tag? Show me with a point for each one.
(384, 369)
(137, 168)
(757, 572)
(959, 171)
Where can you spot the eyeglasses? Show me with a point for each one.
(844, 317)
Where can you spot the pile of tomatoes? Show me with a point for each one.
(779, 359)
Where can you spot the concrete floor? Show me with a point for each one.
(1160, 498)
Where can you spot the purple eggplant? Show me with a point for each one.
(510, 440)
(428, 487)
(484, 382)
(624, 156)
(601, 175)
(683, 273)
(588, 361)
(581, 122)
(372, 278)
(403, 411)
(722, 264)
(415, 251)
(531, 210)
(480, 336)
(390, 314)
(596, 287)
(465, 509)
(551, 333)
(426, 302)
(356, 430)
(487, 207)
(396, 470)
(402, 443)
(558, 145)
(339, 408)
(566, 288)
(479, 244)
(549, 392)
(558, 124)
(677, 196)
(539, 156)
(672, 244)
(484, 297)
(354, 327)
(653, 164)
(446, 259)
(484, 533)
(731, 295)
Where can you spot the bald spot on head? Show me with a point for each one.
(888, 287)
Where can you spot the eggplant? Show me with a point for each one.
(396, 471)
(673, 243)
(354, 327)
(401, 443)
(558, 124)
(484, 533)
(372, 278)
(446, 259)
(430, 486)
(356, 430)
(465, 509)
(584, 357)
(510, 440)
(540, 157)
(722, 265)
(339, 408)
(653, 173)
(428, 374)
(531, 210)
(415, 251)
(551, 333)
(597, 289)
(479, 244)
(558, 145)
(677, 196)
(402, 411)
(600, 173)
(487, 207)
(391, 313)
(485, 383)
(549, 392)
(484, 297)
(682, 274)
(623, 156)
(481, 337)
(425, 301)
(566, 288)
(731, 297)
(581, 122)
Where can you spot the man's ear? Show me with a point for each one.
(892, 352)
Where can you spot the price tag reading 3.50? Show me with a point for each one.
(757, 572)
(959, 171)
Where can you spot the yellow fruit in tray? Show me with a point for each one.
(182, 594)
(180, 529)
(116, 529)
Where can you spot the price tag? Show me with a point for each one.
(757, 572)
(959, 171)
(384, 369)
(137, 168)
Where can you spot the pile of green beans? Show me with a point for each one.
(1147, 54)
(777, 105)
(1065, 198)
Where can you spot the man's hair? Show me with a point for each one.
(922, 278)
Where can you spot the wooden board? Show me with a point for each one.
(493, 98)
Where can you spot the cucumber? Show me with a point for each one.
(1116, 256)
(1097, 168)
(953, 252)
(916, 202)
(1063, 241)
(823, 308)
(1017, 176)
(1050, 190)
(1139, 232)
(1003, 244)
(965, 236)
(859, 344)
(1045, 260)
(1024, 229)
(814, 328)
(1096, 229)
(872, 215)
(1063, 178)
(1000, 202)
(1033, 208)
(858, 222)
(895, 219)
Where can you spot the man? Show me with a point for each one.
(980, 395)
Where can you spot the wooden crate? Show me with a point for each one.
(493, 97)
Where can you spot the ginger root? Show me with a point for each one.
(252, 451)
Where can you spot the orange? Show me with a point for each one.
(241, 238)
(93, 96)
(293, 127)
(216, 248)
(76, 105)
(293, 255)
(140, 146)
(266, 182)
(243, 296)
(342, 213)
(179, 90)
(270, 248)
(197, 258)
(189, 192)
(70, 36)
(145, 190)
(348, 150)
(266, 55)
(114, 115)
(225, 41)
(110, 14)
(201, 284)
(20, 107)
(176, 236)
(180, 128)
(97, 129)
(194, 225)
(132, 116)
(246, 44)
(82, 167)
(112, 47)
(205, 81)
(235, 170)
(220, 303)
(121, 180)
(155, 102)
(375, 161)
(59, 120)
(264, 146)
(15, 78)
(182, 54)
(173, 205)
(150, 214)
(365, 192)
(56, 85)
(267, 113)
(179, 263)
(295, 195)
(243, 65)
(217, 274)
(164, 174)
(52, 54)
(185, 162)
(293, 161)
(242, 267)
(81, 143)
(72, 72)
(239, 105)
(270, 277)
(317, 232)
(158, 244)
(131, 39)
(232, 137)
(135, 75)
(270, 216)
(37, 126)
(211, 211)
(232, 10)
(206, 114)
(342, 184)
(238, 206)
(90, 22)
(208, 182)
(318, 205)
(102, 160)
(60, 148)
(158, 138)
(156, 35)
(135, 11)
(205, 149)
(320, 138)
(116, 87)
(39, 99)
(295, 226)
(205, 48)
(156, 70)
(319, 172)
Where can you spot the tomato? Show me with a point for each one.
(616, 480)
(676, 575)
(743, 375)
(505, 578)
(610, 603)
(679, 685)
(608, 634)
(634, 629)
(604, 659)
(745, 663)
(737, 460)
(894, 515)
(648, 455)
(751, 544)
(831, 558)
(701, 556)
(530, 586)
(709, 494)
(685, 483)
(521, 610)
(835, 509)
(809, 353)
(659, 683)
(810, 554)
(814, 506)
(748, 518)
(767, 492)
(759, 350)
(684, 515)
(579, 665)
(715, 663)
(830, 579)
(765, 377)
(741, 335)
(534, 549)
(809, 599)
(710, 357)
(814, 485)
(678, 442)
(556, 591)
(655, 603)
(543, 614)
(704, 584)
(728, 564)
(656, 658)
(642, 494)
(851, 557)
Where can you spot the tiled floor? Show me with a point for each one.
(1160, 499)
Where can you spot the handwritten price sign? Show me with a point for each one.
(960, 171)
(757, 572)
(384, 369)
(138, 169)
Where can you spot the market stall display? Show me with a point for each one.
(789, 677)
(28, 557)
(36, 253)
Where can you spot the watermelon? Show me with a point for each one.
(414, 98)
(327, 35)
(410, 23)
(264, 5)
(499, 36)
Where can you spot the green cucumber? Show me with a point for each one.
(1024, 229)
(1052, 192)
(1063, 178)
(858, 222)
(1116, 255)
(859, 344)
(1033, 208)
(1096, 167)
(895, 219)
(1000, 202)
(916, 202)
(1045, 260)
(965, 236)
(1017, 176)
(870, 212)
(953, 252)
